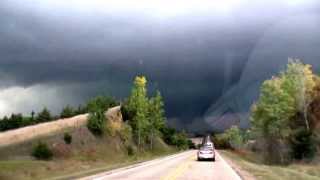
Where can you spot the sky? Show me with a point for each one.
(207, 57)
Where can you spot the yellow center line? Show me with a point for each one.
(179, 170)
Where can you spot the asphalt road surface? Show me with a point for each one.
(183, 166)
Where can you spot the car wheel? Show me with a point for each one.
(199, 159)
(213, 159)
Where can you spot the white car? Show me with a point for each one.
(206, 153)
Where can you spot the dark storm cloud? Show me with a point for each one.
(193, 58)
(294, 37)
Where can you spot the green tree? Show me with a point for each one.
(138, 104)
(16, 121)
(4, 122)
(13, 122)
(271, 114)
(156, 116)
(67, 112)
(283, 103)
(303, 85)
(44, 116)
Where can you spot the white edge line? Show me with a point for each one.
(227, 165)
(132, 167)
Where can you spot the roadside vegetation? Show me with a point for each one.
(283, 119)
(16, 121)
(285, 125)
(146, 117)
(41, 151)
(253, 163)
(97, 118)
(138, 133)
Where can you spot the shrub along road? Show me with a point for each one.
(182, 166)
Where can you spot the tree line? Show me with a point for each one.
(285, 120)
(15, 121)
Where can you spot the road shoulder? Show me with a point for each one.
(242, 173)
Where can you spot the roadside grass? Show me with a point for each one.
(251, 163)
(85, 162)
(107, 167)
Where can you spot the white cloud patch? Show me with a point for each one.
(24, 100)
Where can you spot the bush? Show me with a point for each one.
(101, 103)
(198, 146)
(234, 137)
(130, 150)
(67, 138)
(303, 145)
(96, 122)
(221, 141)
(125, 133)
(168, 134)
(191, 144)
(97, 119)
(180, 140)
(41, 151)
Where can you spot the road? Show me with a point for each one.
(183, 166)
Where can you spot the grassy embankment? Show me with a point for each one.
(251, 163)
(86, 155)
(89, 158)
